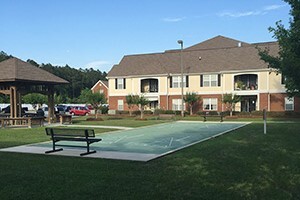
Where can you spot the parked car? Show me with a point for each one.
(45, 109)
(7, 110)
(79, 110)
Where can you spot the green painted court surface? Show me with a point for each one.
(158, 139)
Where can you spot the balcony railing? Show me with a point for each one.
(245, 82)
(149, 86)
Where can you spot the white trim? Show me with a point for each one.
(237, 92)
(196, 74)
(100, 81)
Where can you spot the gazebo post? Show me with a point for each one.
(50, 103)
(13, 102)
(19, 103)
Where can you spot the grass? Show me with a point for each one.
(22, 136)
(243, 164)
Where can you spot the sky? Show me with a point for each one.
(98, 33)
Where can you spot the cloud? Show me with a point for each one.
(262, 11)
(100, 64)
(173, 19)
(239, 14)
(273, 7)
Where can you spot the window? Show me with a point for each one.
(210, 104)
(210, 80)
(149, 85)
(101, 91)
(120, 83)
(120, 104)
(176, 81)
(289, 103)
(283, 79)
(176, 104)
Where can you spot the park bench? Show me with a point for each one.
(67, 134)
(64, 118)
(207, 115)
(21, 121)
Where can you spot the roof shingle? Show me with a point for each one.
(16, 70)
(228, 56)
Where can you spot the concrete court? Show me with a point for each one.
(141, 144)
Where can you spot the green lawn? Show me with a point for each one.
(244, 164)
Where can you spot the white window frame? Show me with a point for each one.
(289, 104)
(176, 81)
(176, 104)
(120, 83)
(120, 104)
(210, 104)
(210, 80)
(101, 91)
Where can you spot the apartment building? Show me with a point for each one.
(211, 69)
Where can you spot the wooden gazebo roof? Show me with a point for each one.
(16, 70)
(18, 77)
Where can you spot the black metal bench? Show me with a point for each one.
(77, 135)
(206, 115)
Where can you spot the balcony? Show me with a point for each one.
(149, 85)
(245, 82)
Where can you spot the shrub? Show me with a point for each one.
(122, 112)
(104, 109)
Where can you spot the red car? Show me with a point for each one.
(79, 110)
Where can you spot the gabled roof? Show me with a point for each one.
(105, 83)
(205, 57)
(16, 70)
(218, 42)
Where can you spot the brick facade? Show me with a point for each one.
(101, 86)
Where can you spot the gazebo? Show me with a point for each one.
(18, 78)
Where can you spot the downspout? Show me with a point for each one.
(223, 85)
(168, 91)
(268, 89)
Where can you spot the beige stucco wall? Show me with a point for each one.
(266, 82)
(275, 82)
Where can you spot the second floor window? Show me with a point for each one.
(210, 80)
(175, 81)
(120, 83)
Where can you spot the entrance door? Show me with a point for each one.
(248, 103)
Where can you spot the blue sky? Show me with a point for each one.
(98, 33)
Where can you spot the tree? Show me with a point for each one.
(141, 101)
(191, 98)
(131, 100)
(35, 99)
(230, 100)
(4, 98)
(95, 99)
(288, 60)
(4, 56)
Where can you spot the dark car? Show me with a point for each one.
(7, 109)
